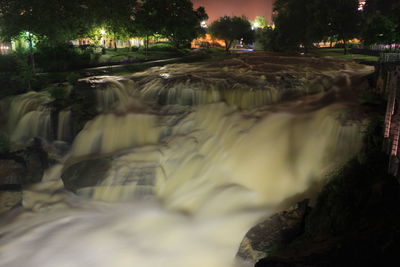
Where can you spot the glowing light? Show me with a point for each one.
(103, 32)
(361, 5)
(203, 24)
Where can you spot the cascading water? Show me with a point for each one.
(30, 115)
(64, 126)
(179, 186)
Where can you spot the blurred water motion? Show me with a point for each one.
(181, 182)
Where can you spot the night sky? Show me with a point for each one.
(249, 8)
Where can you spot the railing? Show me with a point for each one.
(391, 85)
(389, 57)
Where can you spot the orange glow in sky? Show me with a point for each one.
(249, 8)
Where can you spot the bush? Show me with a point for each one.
(4, 143)
(162, 46)
(8, 63)
(62, 57)
(58, 92)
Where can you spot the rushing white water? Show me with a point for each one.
(183, 185)
(64, 126)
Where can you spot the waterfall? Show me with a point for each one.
(64, 126)
(112, 91)
(173, 172)
(185, 199)
(23, 104)
(32, 124)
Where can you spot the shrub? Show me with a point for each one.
(58, 92)
(160, 47)
(8, 63)
(62, 57)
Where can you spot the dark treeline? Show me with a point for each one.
(55, 21)
(300, 23)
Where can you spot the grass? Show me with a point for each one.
(339, 53)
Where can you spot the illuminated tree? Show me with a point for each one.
(260, 22)
(232, 29)
(49, 21)
(174, 19)
(114, 17)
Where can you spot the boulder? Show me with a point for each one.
(87, 173)
(276, 231)
(25, 166)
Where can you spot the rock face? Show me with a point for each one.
(19, 169)
(276, 231)
(23, 167)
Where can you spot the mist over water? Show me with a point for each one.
(184, 181)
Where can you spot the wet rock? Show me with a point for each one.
(25, 166)
(12, 172)
(276, 231)
(87, 173)
(83, 105)
(19, 169)
(111, 179)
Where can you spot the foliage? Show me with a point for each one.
(52, 21)
(300, 23)
(4, 143)
(114, 19)
(8, 63)
(268, 39)
(25, 75)
(379, 30)
(62, 57)
(162, 47)
(232, 29)
(296, 24)
(342, 19)
(174, 19)
(260, 22)
(58, 92)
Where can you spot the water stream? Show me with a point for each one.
(187, 168)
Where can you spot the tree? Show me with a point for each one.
(230, 29)
(304, 22)
(174, 19)
(115, 17)
(379, 30)
(50, 21)
(260, 22)
(296, 24)
(342, 19)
